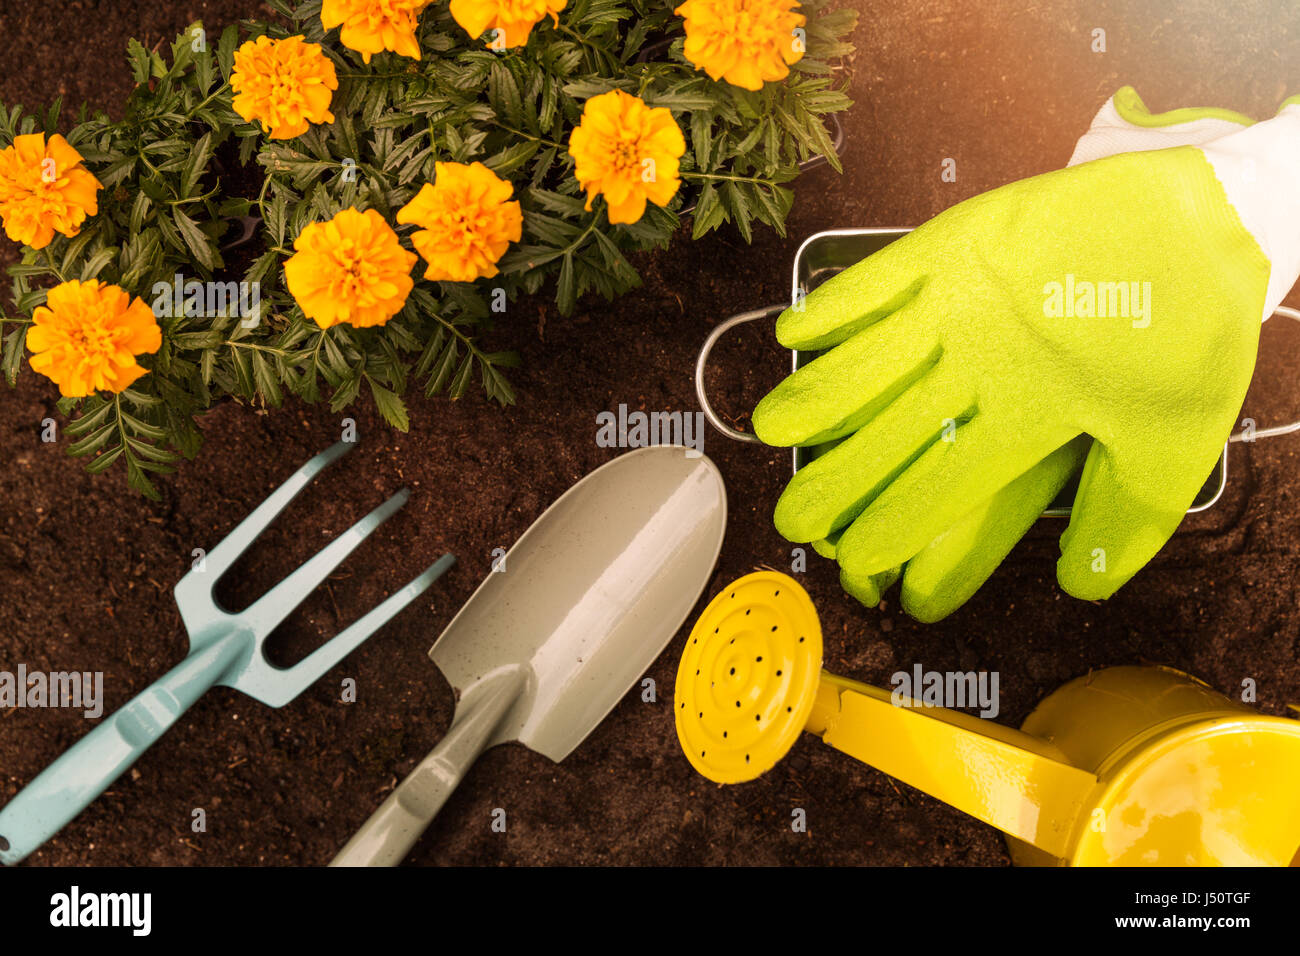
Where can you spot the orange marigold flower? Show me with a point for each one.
(351, 269)
(467, 221)
(283, 84)
(87, 335)
(44, 189)
(510, 20)
(745, 42)
(372, 26)
(627, 152)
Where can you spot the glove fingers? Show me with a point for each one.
(940, 488)
(860, 296)
(956, 564)
(835, 393)
(826, 546)
(831, 490)
(1121, 517)
(868, 588)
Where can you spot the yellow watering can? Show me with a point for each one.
(1129, 766)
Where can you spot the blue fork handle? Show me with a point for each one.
(67, 786)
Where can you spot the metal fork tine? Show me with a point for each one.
(289, 684)
(276, 604)
(222, 558)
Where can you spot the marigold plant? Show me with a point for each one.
(285, 85)
(44, 189)
(508, 23)
(467, 221)
(373, 26)
(626, 152)
(351, 269)
(87, 336)
(745, 42)
(340, 203)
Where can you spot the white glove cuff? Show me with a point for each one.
(1259, 168)
(1111, 134)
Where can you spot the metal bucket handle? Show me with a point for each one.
(1276, 429)
(771, 310)
(702, 361)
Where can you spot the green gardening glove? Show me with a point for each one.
(949, 570)
(965, 323)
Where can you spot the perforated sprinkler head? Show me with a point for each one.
(748, 677)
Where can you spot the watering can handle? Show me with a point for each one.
(391, 831)
(1005, 777)
(87, 768)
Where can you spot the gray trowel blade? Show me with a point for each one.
(591, 594)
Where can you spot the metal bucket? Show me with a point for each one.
(825, 254)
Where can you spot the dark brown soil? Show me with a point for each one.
(86, 568)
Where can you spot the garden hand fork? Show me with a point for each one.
(225, 649)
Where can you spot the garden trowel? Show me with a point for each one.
(563, 626)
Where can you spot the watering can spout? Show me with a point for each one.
(1013, 781)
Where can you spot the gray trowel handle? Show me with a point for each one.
(391, 831)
